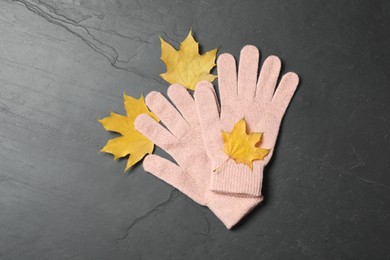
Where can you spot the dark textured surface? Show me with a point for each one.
(63, 64)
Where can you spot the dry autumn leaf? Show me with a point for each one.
(131, 142)
(186, 66)
(241, 147)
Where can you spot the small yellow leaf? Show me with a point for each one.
(131, 142)
(186, 66)
(241, 147)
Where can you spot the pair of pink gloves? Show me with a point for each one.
(193, 132)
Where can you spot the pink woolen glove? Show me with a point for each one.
(182, 139)
(243, 96)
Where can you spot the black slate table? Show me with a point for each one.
(64, 64)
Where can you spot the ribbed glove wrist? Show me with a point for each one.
(236, 178)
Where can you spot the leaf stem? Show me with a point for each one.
(218, 168)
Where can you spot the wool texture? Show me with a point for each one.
(243, 95)
(182, 139)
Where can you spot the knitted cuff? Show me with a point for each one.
(237, 178)
(231, 209)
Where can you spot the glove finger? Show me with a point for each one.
(172, 174)
(163, 169)
(168, 114)
(247, 72)
(268, 78)
(207, 105)
(184, 103)
(155, 132)
(227, 79)
(285, 91)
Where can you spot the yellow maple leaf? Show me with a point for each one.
(131, 142)
(186, 66)
(241, 147)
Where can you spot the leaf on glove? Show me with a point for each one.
(186, 66)
(241, 147)
(131, 142)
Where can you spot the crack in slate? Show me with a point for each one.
(57, 11)
(83, 33)
(173, 195)
(115, 33)
(195, 206)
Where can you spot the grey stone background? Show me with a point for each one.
(66, 63)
